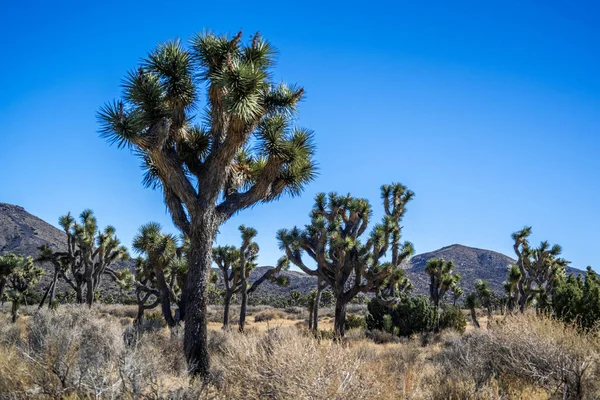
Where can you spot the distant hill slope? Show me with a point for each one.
(471, 263)
(23, 233)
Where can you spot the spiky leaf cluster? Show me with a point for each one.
(244, 147)
(539, 267)
(335, 240)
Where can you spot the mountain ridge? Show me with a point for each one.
(22, 233)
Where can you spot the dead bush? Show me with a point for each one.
(269, 315)
(529, 349)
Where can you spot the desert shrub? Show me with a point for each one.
(294, 310)
(358, 308)
(381, 337)
(452, 318)
(354, 321)
(577, 300)
(410, 315)
(534, 350)
(74, 349)
(268, 315)
(281, 364)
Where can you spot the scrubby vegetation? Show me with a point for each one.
(79, 353)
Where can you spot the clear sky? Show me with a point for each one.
(488, 110)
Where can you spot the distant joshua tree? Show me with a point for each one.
(90, 255)
(540, 267)
(160, 252)
(511, 287)
(485, 297)
(333, 240)
(472, 302)
(20, 274)
(247, 150)
(441, 279)
(236, 265)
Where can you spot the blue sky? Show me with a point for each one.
(489, 111)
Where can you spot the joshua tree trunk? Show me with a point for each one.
(195, 297)
(243, 305)
(165, 299)
(15, 309)
(44, 297)
(315, 311)
(339, 327)
(79, 294)
(89, 295)
(139, 319)
(474, 318)
(50, 291)
(227, 301)
(52, 294)
(436, 307)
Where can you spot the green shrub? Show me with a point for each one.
(354, 321)
(412, 314)
(452, 318)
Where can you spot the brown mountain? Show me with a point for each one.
(471, 263)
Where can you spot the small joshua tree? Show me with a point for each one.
(511, 287)
(21, 274)
(160, 252)
(441, 279)
(472, 302)
(236, 265)
(540, 267)
(343, 261)
(60, 264)
(90, 255)
(226, 258)
(485, 297)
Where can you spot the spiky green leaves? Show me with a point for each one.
(333, 240)
(172, 65)
(20, 272)
(159, 248)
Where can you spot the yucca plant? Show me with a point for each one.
(160, 252)
(91, 254)
(343, 260)
(236, 265)
(441, 279)
(540, 267)
(21, 274)
(217, 136)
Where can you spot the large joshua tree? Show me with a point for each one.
(245, 151)
(333, 240)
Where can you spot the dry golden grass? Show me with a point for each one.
(81, 354)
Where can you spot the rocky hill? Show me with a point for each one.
(470, 262)
(23, 233)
